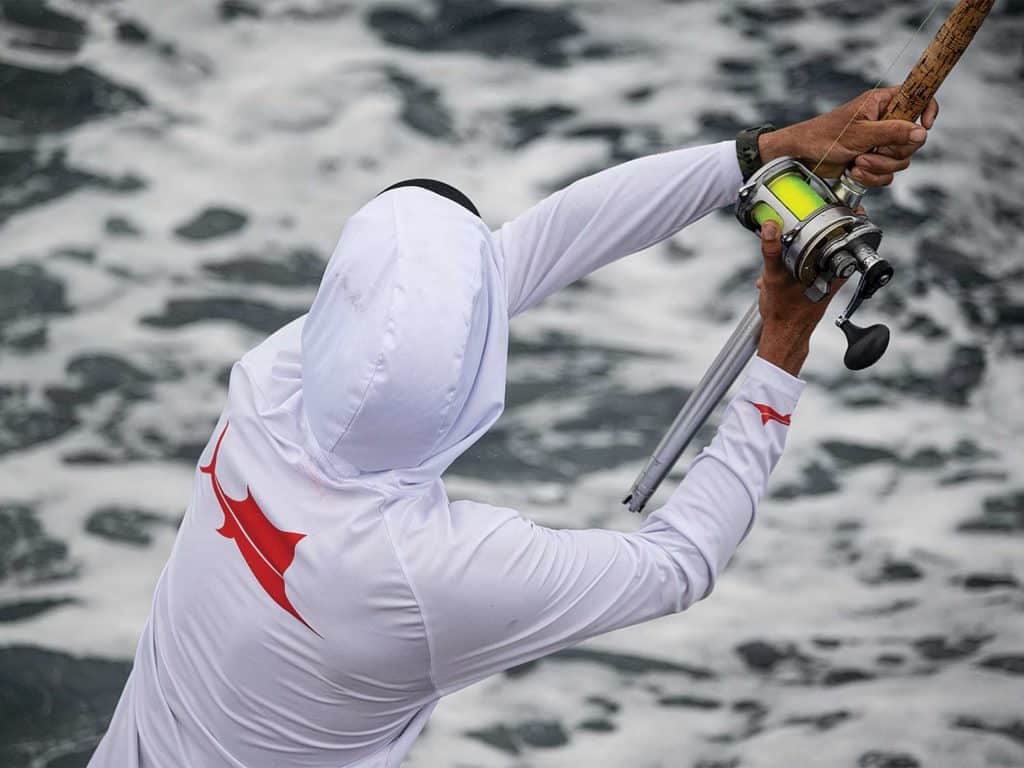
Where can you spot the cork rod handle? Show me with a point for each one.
(938, 59)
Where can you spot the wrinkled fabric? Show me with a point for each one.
(323, 592)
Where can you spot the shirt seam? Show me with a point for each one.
(449, 416)
(711, 457)
(712, 576)
(416, 598)
(379, 363)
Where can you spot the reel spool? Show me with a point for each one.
(823, 239)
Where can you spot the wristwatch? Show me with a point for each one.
(747, 153)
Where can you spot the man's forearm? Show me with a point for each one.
(776, 144)
(612, 214)
(715, 505)
(853, 133)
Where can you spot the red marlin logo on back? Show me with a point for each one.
(268, 551)
(770, 414)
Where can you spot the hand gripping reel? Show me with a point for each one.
(823, 240)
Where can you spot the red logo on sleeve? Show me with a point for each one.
(268, 551)
(770, 414)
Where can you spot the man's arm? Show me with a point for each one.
(499, 590)
(502, 590)
(629, 207)
(612, 214)
(853, 133)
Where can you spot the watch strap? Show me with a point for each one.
(747, 153)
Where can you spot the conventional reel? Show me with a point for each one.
(823, 239)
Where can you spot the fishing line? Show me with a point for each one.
(881, 79)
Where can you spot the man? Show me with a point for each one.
(323, 594)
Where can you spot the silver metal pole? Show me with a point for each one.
(712, 388)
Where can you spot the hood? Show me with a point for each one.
(404, 349)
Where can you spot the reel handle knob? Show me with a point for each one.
(865, 346)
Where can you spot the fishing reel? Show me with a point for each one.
(823, 240)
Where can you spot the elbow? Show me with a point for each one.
(691, 580)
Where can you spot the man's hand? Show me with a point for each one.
(879, 147)
(789, 316)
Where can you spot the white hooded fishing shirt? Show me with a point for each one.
(323, 593)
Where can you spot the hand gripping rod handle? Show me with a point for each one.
(924, 79)
(938, 60)
(725, 369)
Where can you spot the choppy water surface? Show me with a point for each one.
(173, 176)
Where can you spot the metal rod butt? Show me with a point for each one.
(725, 369)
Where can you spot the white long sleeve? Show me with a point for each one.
(612, 214)
(506, 590)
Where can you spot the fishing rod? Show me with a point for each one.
(824, 239)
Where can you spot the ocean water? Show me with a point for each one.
(173, 176)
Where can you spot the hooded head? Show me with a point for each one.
(404, 349)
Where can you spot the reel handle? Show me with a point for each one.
(865, 346)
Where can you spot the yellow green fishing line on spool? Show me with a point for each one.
(795, 193)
